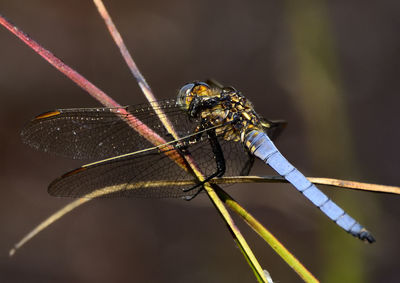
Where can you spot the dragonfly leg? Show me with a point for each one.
(220, 162)
(195, 194)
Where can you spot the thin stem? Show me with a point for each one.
(133, 67)
(337, 183)
(239, 239)
(277, 246)
(142, 129)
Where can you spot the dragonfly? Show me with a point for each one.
(216, 126)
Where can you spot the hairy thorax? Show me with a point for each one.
(226, 109)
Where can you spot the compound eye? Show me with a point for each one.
(186, 89)
(201, 89)
(183, 95)
(190, 91)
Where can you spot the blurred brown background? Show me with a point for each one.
(330, 68)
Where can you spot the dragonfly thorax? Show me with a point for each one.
(226, 109)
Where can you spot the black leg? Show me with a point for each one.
(220, 161)
(194, 195)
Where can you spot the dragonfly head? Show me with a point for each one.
(190, 91)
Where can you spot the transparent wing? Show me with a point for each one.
(97, 133)
(273, 128)
(148, 174)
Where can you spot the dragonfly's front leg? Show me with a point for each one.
(220, 162)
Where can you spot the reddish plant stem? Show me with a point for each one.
(59, 65)
(133, 67)
(123, 49)
(90, 88)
